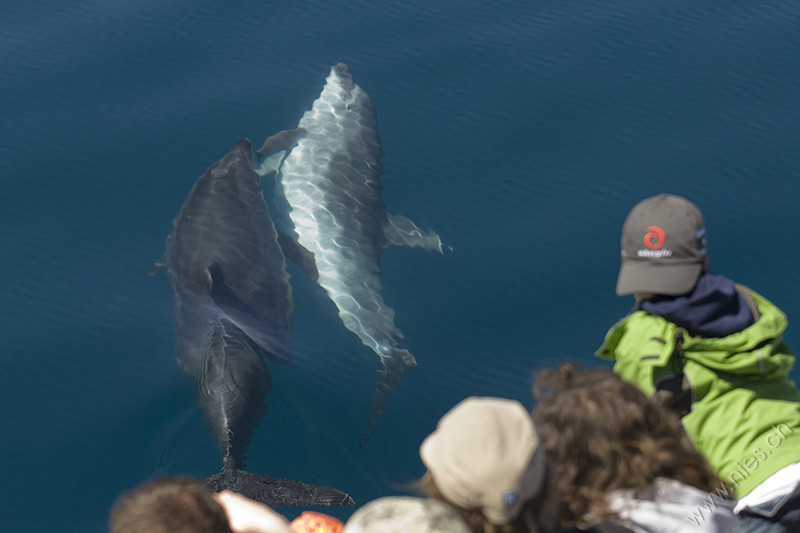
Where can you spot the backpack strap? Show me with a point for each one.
(675, 391)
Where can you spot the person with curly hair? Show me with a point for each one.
(622, 458)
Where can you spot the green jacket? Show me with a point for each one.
(744, 411)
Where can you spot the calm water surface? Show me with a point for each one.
(522, 132)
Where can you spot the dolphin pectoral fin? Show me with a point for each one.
(243, 316)
(400, 231)
(283, 140)
(299, 254)
(276, 492)
(275, 149)
(225, 297)
(158, 265)
(270, 164)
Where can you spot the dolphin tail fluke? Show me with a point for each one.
(400, 231)
(393, 369)
(276, 492)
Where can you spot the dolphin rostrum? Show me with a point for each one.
(233, 304)
(330, 185)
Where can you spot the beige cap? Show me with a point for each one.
(485, 455)
(407, 514)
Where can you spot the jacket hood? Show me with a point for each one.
(757, 350)
(714, 308)
(672, 506)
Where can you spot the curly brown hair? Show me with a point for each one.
(603, 434)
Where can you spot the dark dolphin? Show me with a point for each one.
(330, 186)
(233, 304)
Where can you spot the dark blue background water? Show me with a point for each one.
(521, 131)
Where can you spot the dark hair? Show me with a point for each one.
(541, 512)
(169, 505)
(603, 434)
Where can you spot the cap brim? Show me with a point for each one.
(673, 279)
(427, 451)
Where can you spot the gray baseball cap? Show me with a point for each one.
(663, 247)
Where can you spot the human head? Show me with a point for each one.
(484, 457)
(168, 505)
(663, 247)
(406, 514)
(603, 434)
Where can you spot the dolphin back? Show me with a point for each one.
(223, 254)
(232, 389)
(330, 185)
(232, 298)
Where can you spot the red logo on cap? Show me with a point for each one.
(654, 238)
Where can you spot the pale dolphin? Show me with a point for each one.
(330, 185)
(233, 304)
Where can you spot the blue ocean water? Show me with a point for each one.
(521, 132)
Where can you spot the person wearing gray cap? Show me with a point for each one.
(486, 461)
(713, 351)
